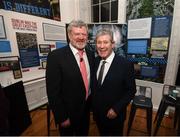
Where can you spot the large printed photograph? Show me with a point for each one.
(149, 8)
(119, 36)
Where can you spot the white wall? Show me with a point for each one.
(75, 9)
(68, 10)
(174, 51)
(122, 11)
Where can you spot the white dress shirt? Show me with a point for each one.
(76, 55)
(106, 67)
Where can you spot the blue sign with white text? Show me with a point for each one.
(5, 46)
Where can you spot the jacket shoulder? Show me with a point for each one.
(123, 61)
(58, 52)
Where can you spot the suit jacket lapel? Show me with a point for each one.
(72, 61)
(90, 59)
(110, 70)
(97, 61)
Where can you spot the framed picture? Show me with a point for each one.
(5, 46)
(11, 63)
(53, 32)
(2, 28)
(44, 48)
(28, 49)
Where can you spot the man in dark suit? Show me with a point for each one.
(68, 86)
(114, 90)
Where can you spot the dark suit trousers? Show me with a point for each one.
(112, 130)
(80, 129)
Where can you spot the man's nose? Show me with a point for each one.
(81, 36)
(101, 45)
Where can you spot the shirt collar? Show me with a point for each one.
(110, 58)
(74, 50)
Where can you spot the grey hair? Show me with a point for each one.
(105, 31)
(76, 23)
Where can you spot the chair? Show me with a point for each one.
(177, 112)
(142, 100)
(168, 99)
(4, 110)
(177, 115)
(18, 116)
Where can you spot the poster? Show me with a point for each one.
(119, 36)
(149, 8)
(60, 44)
(11, 63)
(139, 28)
(53, 32)
(159, 43)
(44, 48)
(2, 28)
(161, 26)
(5, 46)
(28, 49)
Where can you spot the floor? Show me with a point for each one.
(39, 125)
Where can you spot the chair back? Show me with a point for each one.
(144, 91)
(4, 110)
(167, 89)
(19, 116)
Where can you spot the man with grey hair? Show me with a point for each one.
(113, 86)
(68, 79)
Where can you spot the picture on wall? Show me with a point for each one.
(44, 48)
(60, 44)
(2, 28)
(119, 36)
(149, 8)
(161, 26)
(5, 46)
(53, 32)
(147, 48)
(139, 28)
(11, 63)
(28, 49)
(159, 43)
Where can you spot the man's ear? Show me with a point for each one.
(69, 35)
(113, 44)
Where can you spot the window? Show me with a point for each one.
(104, 11)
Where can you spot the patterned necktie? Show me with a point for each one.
(83, 71)
(100, 76)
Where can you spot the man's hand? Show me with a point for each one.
(111, 114)
(66, 123)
